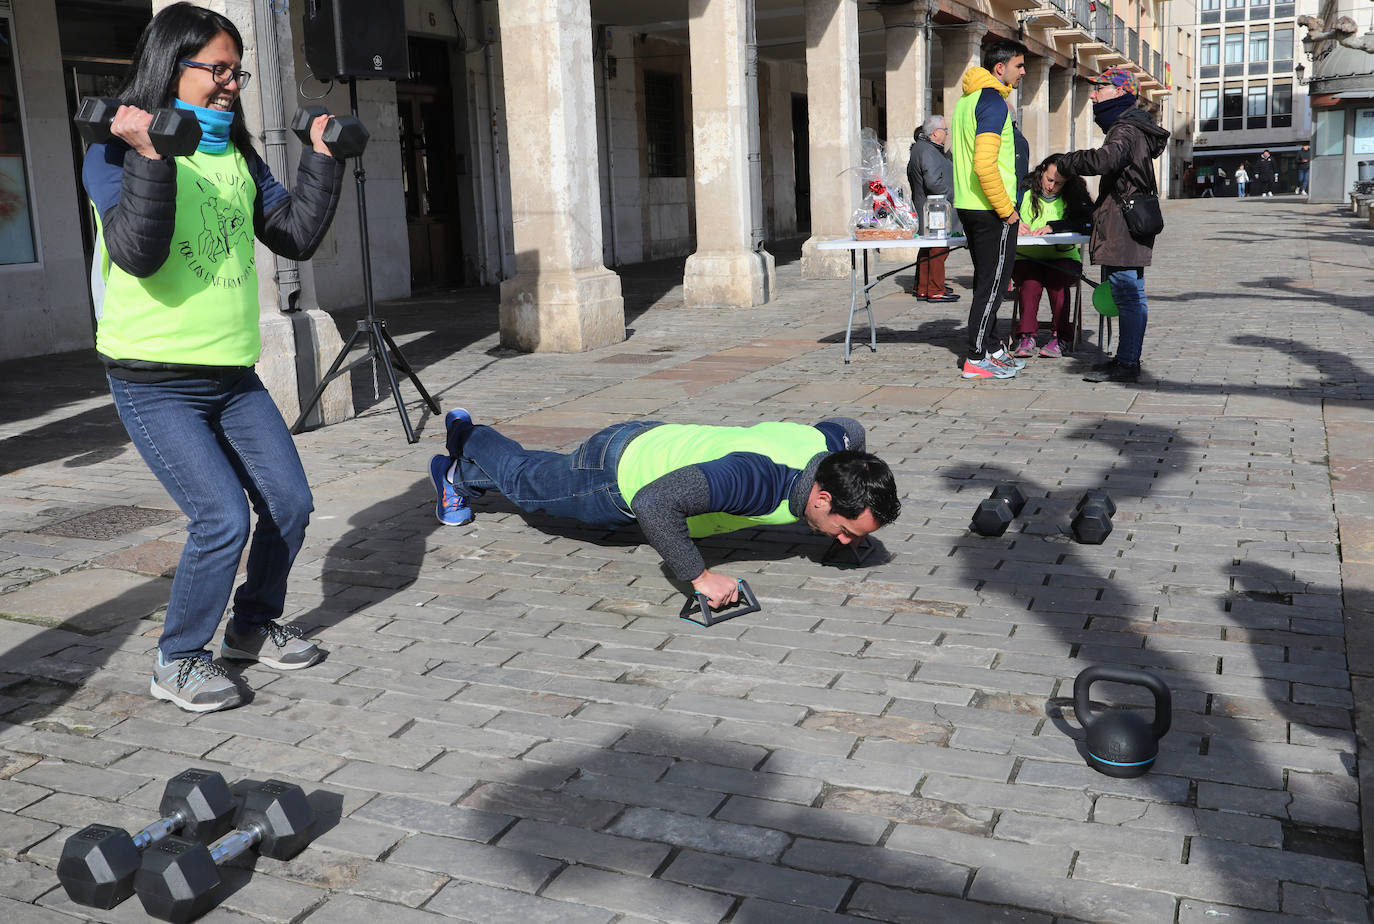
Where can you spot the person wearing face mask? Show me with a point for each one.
(1125, 164)
(1051, 200)
(177, 331)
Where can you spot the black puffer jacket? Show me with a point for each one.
(1124, 162)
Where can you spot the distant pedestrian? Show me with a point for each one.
(1304, 162)
(1242, 178)
(1208, 184)
(1125, 164)
(1266, 174)
(929, 172)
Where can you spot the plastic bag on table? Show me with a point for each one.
(884, 203)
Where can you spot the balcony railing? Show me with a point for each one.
(1158, 69)
(1119, 41)
(1102, 25)
(1083, 13)
(1135, 45)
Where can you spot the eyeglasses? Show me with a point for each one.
(221, 74)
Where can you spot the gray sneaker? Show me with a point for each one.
(272, 644)
(194, 684)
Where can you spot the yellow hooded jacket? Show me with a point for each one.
(982, 145)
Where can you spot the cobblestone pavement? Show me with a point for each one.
(513, 724)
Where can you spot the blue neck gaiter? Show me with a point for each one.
(214, 127)
(1106, 113)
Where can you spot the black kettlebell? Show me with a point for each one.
(1120, 743)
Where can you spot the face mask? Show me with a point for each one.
(1107, 112)
(214, 127)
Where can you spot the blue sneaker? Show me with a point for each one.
(452, 508)
(457, 426)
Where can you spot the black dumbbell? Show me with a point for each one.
(1092, 520)
(98, 862)
(1013, 495)
(992, 517)
(995, 514)
(174, 132)
(179, 880)
(1099, 495)
(345, 136)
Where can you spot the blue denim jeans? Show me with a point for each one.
(581, 485)
(1128, 290)
(216, 444)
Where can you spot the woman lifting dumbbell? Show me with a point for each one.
(178, 333)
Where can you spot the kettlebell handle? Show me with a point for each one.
(1082, 702)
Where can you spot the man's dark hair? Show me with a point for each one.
(858, 481)
(1002, 51)
(177, 33)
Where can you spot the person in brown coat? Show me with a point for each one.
(1124, 162)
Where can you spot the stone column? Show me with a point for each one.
(1085, 133)
(1033, 94)
(562, 298)
(832, 103)
(962, 47)
(726, 269)
(1061, 79)
(908, 57)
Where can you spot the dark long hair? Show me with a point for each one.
(178, 32)
(1075, 192)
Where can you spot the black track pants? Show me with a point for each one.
(992, 245)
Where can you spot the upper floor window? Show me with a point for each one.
(1211, 49)
(1259, 45)
(1235, 47)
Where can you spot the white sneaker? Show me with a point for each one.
(1006, 359)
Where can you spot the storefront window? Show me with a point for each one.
(1330, 134)
(16, 218)
(1364, 131)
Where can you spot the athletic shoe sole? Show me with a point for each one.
(238, 654)
(165, 694)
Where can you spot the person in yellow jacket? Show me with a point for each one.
(984, 149)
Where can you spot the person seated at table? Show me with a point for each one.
(1051, 200)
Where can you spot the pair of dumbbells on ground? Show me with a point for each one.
(174, 863)
(1091, 523)
(176, 133)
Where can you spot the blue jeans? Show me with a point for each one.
(581, 485)
(1128, 291)
(216, 444)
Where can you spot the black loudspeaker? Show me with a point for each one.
(362, 39)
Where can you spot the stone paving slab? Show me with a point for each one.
(513, 723)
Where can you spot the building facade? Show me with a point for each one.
(1249, 99)
(1341, 89)
(538, 144)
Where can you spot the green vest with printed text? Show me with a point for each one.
(1050, 210)
(201, 306)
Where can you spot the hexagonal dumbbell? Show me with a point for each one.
(1013, 495)
(174, 132)
(179, 880)
(98, 862)
(992, 517)
(345, 136)
(1100, 496)
(1092, 521)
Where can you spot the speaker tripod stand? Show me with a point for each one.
(371, 329)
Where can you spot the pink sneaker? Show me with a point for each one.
(1027, 348)
(1052, 349)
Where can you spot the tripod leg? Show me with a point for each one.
(324, 381)
(379, 343)
(400, 359)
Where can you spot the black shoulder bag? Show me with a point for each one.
(1141, 211)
